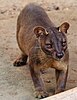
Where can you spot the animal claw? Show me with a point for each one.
(41, 94)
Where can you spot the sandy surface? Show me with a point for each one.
(16, 83)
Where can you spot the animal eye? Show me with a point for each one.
(48, 45)
(64, 43)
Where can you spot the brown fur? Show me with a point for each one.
(34, 30)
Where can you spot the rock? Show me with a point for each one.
(3, 11)
(56, 8)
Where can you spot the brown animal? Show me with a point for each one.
(44, 44)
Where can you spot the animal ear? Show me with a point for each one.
(39, 30)
(64, 27)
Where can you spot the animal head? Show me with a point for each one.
(53, 40)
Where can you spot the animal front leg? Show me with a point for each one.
(40, 91)
(61, 81)
(57, 74)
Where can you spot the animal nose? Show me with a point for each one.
(59, 55)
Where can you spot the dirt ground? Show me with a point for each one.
(16, 83)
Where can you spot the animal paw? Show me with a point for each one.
(19, 62)
(41, 94)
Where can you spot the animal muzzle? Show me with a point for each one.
(59, 55)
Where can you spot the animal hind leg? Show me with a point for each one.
(21, 60)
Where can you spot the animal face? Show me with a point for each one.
(53, 42)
